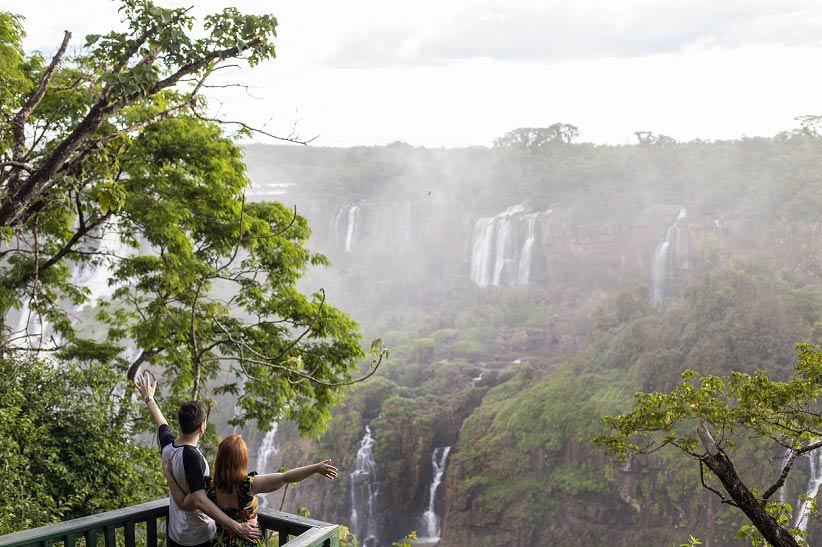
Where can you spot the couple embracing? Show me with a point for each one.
(218, 509)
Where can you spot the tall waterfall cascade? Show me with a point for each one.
(665, 256)
(803, 516)
(503, 247)
(430, 520)
(351, 230)
(364, 491)
(386, 223)
(268, 449)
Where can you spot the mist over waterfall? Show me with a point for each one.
(431, 521)
(364, 492)
(502, 248)
(534, 291)
(665, 256)
(268, 449)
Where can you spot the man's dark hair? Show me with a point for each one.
(191, 415)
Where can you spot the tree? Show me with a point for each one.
(719, 412)
(66, 444)
(537, 137)
(109, 160)
(647, 137)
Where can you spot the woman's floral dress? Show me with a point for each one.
(247, 503)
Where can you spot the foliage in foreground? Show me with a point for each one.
(706, 417)
(67, 444)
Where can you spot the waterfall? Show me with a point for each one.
(268, 449)
(502, 248)
(351, 232)
(95, 275)
(524, 268)
(364, 493)
(31, 329)
(803, 516)
(660, 265)
(431, 522)
(376, 222)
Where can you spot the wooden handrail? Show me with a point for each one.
(308, 532)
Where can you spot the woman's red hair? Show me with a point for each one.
(231, 463)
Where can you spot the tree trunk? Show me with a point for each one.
(721, 466)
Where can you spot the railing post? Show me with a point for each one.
(128, 533)
(151, 532)
(108, 533)
(91, 537)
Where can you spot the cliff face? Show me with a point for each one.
(515, 378)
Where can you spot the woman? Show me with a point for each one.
(234, 490)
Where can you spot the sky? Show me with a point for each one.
(455, 73)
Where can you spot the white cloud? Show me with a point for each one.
(586, 29)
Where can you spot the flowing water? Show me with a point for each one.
(663, 261)
(378, 222)
(803, 515)
(268, 449)
(364, 493)
(502, 248)
(430, 520)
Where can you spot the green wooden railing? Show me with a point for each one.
(123, 526)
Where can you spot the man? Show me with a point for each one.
(189, 528)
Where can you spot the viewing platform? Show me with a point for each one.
(137, 525)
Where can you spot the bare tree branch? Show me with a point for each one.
(193, 333)
(17, 165)
(18, 123)
(722, 497)
(134, 367)
(17, 203)
(247, 127)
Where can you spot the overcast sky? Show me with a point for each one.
(462, 72)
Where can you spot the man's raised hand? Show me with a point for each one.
(143, 382)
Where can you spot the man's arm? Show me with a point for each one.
(184, 501)
(147, 389)
(247, 530)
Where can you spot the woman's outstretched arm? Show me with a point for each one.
(274, 481)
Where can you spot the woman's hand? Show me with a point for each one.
(326, 469)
